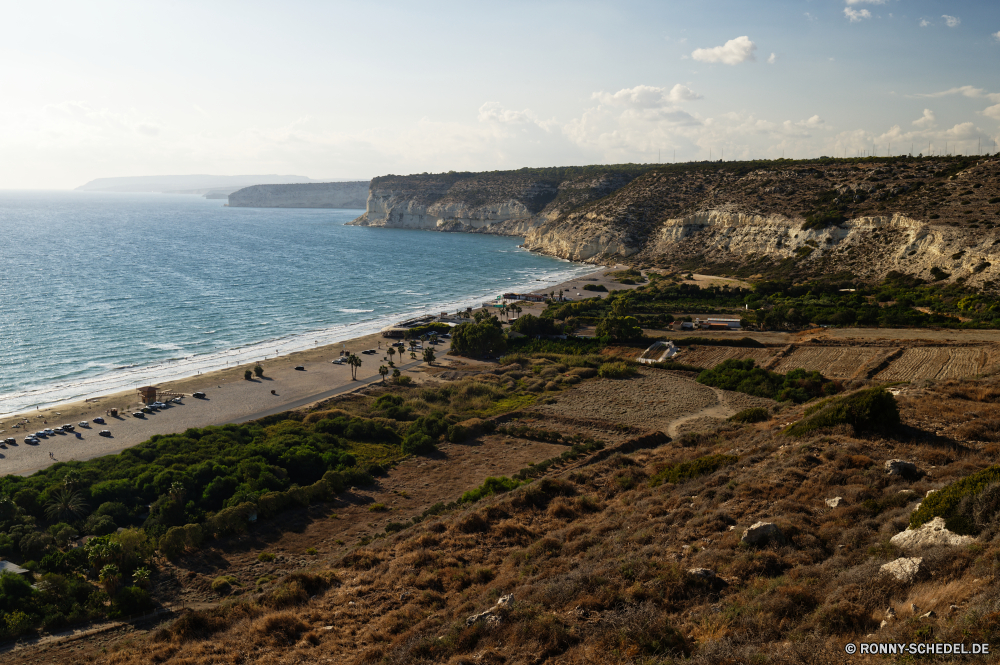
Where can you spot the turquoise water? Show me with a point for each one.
(101, 292)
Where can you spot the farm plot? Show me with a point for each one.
(710, 356)
(967, 361)
(832, 362)
(919, 363)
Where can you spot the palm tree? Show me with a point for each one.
(517, 308)
(392, 352)
(503, 310)
(141, 577)
(395, 375)
(110, 578)
(355, 363)
(65, 505)
(383, 370)
(428, 355)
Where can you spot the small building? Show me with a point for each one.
(8, 567)
(147, 394)
(721, 324)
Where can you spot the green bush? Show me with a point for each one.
(744, 376)
(492, 485)
(265, 557)
(223, 584)
(618, 369)
(678, 473)
(752, 415)
(966, 505)
(594, 287)
(869, 410)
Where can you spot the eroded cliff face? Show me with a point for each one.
(505, 203)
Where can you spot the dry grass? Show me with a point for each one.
(598, 563)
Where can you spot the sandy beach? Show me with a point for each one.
(229, 397)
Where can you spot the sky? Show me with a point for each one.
(361, 89)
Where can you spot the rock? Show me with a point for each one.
(762, 533)
(914, 609)
(703, 573)
(492, 616)
(908, 494)
(898, 467)
(930, 534)
(952, 609)
(883, 624)
(928, 615)
(835, 501)
(890, 613)
(904, 569)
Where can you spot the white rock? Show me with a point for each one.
(835, 501)
(904, 569)
(930, 534)
(761, 533)
(704, 573)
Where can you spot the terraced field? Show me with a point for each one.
(941, 363)
(834, 362)
(710, 356)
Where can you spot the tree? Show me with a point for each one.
(475, 339)
(383, 370)
(247, 375)
(395, 375)
(258, 370)
(65, 505)
(110, 578)
(392, 352)
(355, 363)
(428, 355)
(503, 310)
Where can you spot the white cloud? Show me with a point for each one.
(732, 52)
(647, 96)
(494, 112)
(926, 121)
(992, 112)
(951, 21)
(965, 91)
(772, 59)
(924, 23)
(855, 15)
(996, 36)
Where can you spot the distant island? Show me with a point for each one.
(303, 195)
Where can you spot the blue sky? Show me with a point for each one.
(355, 90)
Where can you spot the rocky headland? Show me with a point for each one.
(932, 217)
(304, 195)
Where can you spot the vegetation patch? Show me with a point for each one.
(682, 471)
(967, 505)
(755, 414)
(868, 410)
(744, 376)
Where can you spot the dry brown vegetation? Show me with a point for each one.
(599, 560)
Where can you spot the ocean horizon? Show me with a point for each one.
(104, 292)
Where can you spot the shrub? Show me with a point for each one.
(616, 370)
(752, 415)
(594, 287)
(265, 557)
(677, 473)
(966, 505)
(223, 584)
(744, 376)
(872, 409)
(378, 508)
(491, 486)
(247, 375)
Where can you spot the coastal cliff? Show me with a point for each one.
(935, 218)
(307, 195)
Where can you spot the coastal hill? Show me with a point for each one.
(302, 195)
(934, 217)
(209, 186)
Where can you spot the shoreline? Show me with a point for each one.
(229, 397)
(127, 378)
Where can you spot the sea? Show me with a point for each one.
(102, 292)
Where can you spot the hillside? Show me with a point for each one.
(793, 218)
(645, 552)
(307, 195)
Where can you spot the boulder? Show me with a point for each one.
(898, 467)
(493, 616)
(762, 533)
(835, 501)
(703, 573)
(907, 494)
(904, 569)
(930, 534)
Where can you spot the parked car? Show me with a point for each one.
(68, 428)
(83, 423)
(300, 368)
(105, 432)
(10, 441)
(32, 440)
(138, 414)
(58, 430)
(198, 395)
(99, 420)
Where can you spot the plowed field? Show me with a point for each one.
(832, 362)
(941, 363)
(710, 356)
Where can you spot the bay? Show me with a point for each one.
(102, 292)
